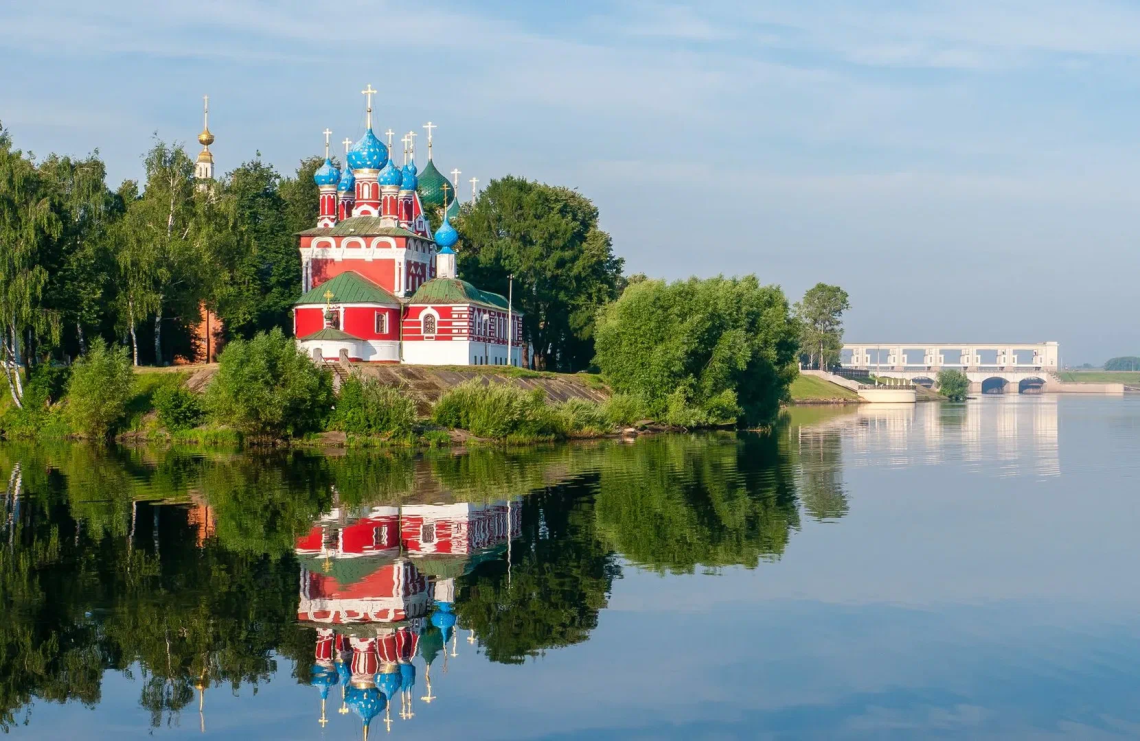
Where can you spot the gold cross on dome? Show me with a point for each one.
(444, 188)
(328, 297)
(390, 134)
(368, 92)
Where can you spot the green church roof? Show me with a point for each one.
(331, 334)
(349, 288)
(430, 186)
(455, 291)
(359, 226)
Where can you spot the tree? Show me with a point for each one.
(161, 248)
(266, 387)
(81, 269)
(820, 313)
(564, 266)
(28, 224)
(725, 347)
(99, 389)
(953, 384)
(1125, 363)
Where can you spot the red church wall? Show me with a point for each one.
(307, 321)
(360, 322)
(380, 272)
(446, 325)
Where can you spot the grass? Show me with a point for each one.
(1131, 378)
(810, 388)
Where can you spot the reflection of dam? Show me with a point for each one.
(379, 586)
(1020, 433)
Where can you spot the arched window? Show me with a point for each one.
(381, 323)
(429, 323)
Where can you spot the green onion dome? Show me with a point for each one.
(430, 188)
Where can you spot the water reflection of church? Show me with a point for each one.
(379, 587)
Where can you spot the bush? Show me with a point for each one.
(371, 408)
(953, 384)
(720, 348)
(100, 388)
(622, 410)
(498, 410)
(579, 415)
(178, 408)
(266, 387)
(47, 385)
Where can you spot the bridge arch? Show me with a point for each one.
(997, 385)
(1031, 386)
(923, 381)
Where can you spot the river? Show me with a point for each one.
(961, 571)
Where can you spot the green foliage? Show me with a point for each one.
(953, 384)
(100, 387)
(622, 410)
(499, 411)
(700, 351)
(820, 315)
(580, 415)
(564, 265)
(1124, 363)
(46, 386)
(178, 408)
(370, 408)
(266, 387)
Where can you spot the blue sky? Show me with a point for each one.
(966, 169)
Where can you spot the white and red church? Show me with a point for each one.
(377, 285)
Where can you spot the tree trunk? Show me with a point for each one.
(158, 337)
(82, 339)
(10, 370)
(134, 337)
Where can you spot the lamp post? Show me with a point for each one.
(510, 320)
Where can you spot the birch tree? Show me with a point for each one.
(27, 226)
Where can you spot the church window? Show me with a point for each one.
(381, 323)
(429, 324)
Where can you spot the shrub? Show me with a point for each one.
(579, 415)
(46, 385)
(623, 410)
(953, 384)
(371, 408)
(499, 411)
(178, 408)
(100, 387)
(267, 387)
(723, 346)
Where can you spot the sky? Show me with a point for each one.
(965, 169)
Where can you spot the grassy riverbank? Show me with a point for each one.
(1128, 378)
(812, 390)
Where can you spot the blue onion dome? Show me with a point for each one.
(407, 677)
(365, 702)
(344, 671)
(347, 180)
(389, 683)
(326, 174)
(391, 175)
(446, 236)
(323, 678)
(410, 176)
(444, 619)
(368, 154)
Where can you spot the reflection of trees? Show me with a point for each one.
(672, 503)
(819, 454)
(560, 577)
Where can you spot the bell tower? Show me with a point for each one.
(204, 167)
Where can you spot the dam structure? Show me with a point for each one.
(998, 368)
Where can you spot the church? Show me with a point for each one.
(377, 285)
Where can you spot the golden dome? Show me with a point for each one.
(205, 138)
(205, 156)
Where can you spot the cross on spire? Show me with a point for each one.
(455, 179)
(368, 92)
(327, 134)
(390, 134)
(412, 143)
(206, 111)
(445, 187)
(429, 126)
(347, 144)
(406, 140)
(474, 182)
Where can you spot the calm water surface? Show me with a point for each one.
(965, 572)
